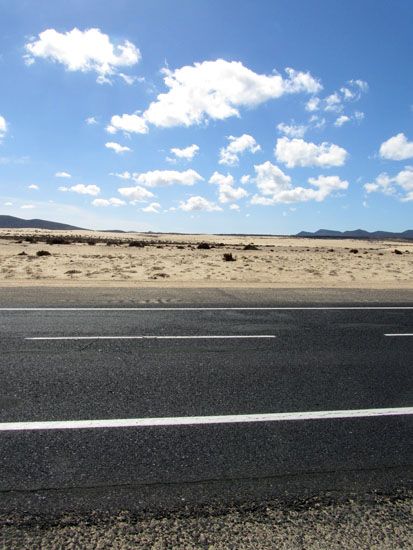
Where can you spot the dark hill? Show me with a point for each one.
(10, 222)
(357, 234)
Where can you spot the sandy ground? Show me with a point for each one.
(380, 523)
(175, 260)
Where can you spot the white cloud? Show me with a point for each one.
(187, 153)
(276, 187)
(234, 207)
(245, 179)
(400, 185)
(220, 179)
(351, 92)
(117, 147)
(152, 208)
(297, 152)
(292, 130)
(333, 103)
(217, 90)
(82, 189)
(8, 204)
(341, 120)
(313, 104)
(135, 194)
(3, 127)
(130, 124)
(33, 186)
(90, 120)
(85, 51)
(128, 79)
(63, 175)
(108, 202)
(198, 203)
(157, 178)
(397, 148)
(27, 206)
(122, 175)
(229, 155)
(227, 192)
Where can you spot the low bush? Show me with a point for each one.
(251, 247)
(203, 246)
(228, 257)
(137, 244)
(58, 240)
(43, 253)
(354, 250)
(396, 251)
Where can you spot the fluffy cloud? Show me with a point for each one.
(158, 178)
(397, 148)
(217, 90)
(82, 189)
(63, 175)
(130, 124)
(187, 153)
(3, 127)
(292, 130)
(227, 192)
(351, 92)
(198, 203)
(136, 194)
(117, 147)
(90, 120)
(245, 179)
(229, 155)
(234, 207)
(85, 51)
(152, 208)
(341, 120)
(33, 186)
(297, 152)
(276, 187)
(313, 104)
(400, 185)
(123, 175)
(27, 206)
(108, 202)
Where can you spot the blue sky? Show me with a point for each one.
(208, 116)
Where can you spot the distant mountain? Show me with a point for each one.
(10, 222)
(357, 234)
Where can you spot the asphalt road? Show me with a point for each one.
(231, 358)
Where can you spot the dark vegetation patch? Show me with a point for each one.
(204, 246)
(354, 250)
(137, 244)
(251, 247)
(396, 251)
(72, 272)
(22, 253)
(228, 257)
(43, 253)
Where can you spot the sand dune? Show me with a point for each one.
(175, 260)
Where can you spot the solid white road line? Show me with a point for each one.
(402, 334)
(332, 308)
(197, 420)
(153, 337)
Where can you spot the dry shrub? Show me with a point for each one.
(228, 257)
(137, 244)
(396, 251)
(204, 246)
(43, 253)
(251, 247)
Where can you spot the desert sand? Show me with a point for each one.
(175, 261)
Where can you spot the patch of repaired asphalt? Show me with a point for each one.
(376, 522)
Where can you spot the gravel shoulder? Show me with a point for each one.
(373, 522)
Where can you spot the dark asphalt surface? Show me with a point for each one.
(320, 360)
